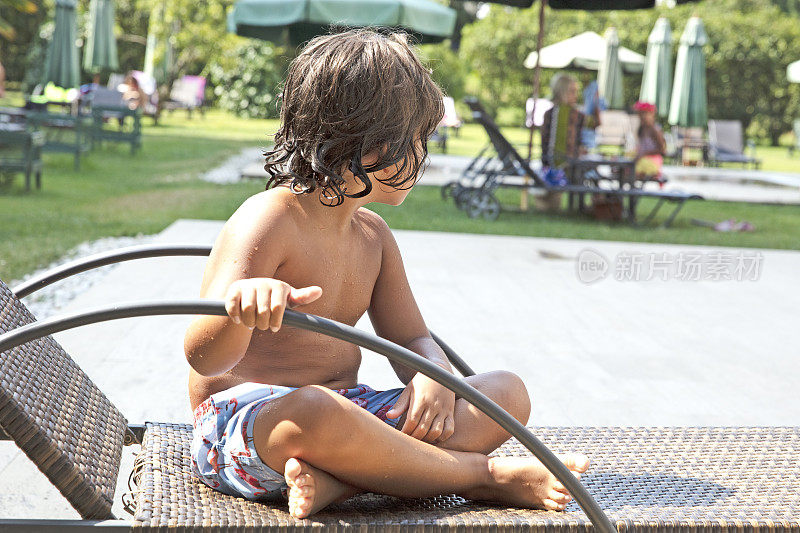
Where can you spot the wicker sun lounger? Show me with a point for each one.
(645, 479)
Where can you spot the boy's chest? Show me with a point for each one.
(346, 272)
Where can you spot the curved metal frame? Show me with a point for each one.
(392, 351)
(145, 251)
(107, 258)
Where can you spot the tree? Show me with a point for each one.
(248, 78)
(23, 6)
(19, 23)
(750, 45)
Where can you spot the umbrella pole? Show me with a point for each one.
(523, 201)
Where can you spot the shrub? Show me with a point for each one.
(247, 80)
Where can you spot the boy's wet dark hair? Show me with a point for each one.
(346, 96)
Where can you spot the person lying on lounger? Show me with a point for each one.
(280, 410)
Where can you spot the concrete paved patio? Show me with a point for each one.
(611, 352)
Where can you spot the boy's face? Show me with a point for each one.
(386, 194)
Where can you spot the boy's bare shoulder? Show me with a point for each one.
(373, 225)
(266, 211)
(267, 218)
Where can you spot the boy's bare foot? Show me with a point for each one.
(311, 489)
(525, 482)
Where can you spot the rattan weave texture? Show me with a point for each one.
(701, 480)
(58, 417)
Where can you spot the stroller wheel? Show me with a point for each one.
(448, 189)
(462, 196)
(483, 204)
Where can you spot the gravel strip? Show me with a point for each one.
(50, 300)
(231, 170)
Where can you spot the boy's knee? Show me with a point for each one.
(305, 415)
(316, 406)
(310, 425)
(514, 395)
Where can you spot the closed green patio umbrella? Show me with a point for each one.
(657, 76)
(296, 21)
(609, 77)
(158, 53)
(61, 66)
(101, 45)
(688, 106)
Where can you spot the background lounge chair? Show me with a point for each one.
(690, 139)
(616, 130)
(450, 121)
(726, 144)
(148, 86)
(511, 170)
(187, 93)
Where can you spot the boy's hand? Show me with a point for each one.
(260, 302)
(429, 407)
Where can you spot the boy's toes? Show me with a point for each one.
(552, 505)
(576, 462)
(301, 488)
(292, 469)
(559, 497)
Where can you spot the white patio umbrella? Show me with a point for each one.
(584, 51)
(793, 72)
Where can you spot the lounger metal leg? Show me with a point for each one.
(669, 220)
(632, 209)
(653, 213)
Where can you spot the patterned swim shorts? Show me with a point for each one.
(223, 454)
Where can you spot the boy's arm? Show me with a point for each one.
(251, 244)
(394, 312)
(395, 316)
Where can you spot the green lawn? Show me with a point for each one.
(116, 194)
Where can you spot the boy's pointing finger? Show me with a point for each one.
(304, 296)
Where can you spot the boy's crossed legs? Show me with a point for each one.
(331, 449)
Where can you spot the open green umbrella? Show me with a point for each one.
(609, 77)
(296, 21)
(689, 107)
(61, 66)
(657, 76)
(101, 45)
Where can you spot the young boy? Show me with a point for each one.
(280, 407)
